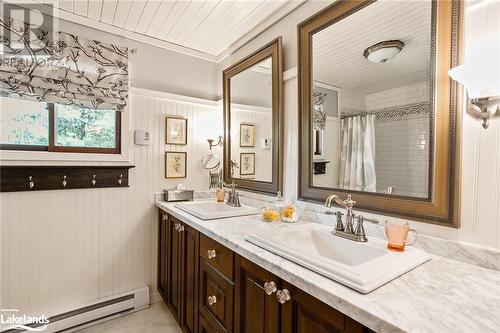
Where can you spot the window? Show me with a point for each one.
(27, 125)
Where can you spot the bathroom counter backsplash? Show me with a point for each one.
(442, 295)
(309, 212)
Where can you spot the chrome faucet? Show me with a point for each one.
(347, 204)
(347, 231)
(233, 197)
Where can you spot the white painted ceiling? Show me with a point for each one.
(338, 50)
(208, 29)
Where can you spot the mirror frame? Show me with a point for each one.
(442, 207)
(273, 50)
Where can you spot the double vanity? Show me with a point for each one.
(378, 118)
(214, 278)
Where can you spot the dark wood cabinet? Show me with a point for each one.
(210, 289)
(257, 308)
(205, 327)
(190, 268)
(216, 297)
(178, 267)
(302, 313)
(162, 255)
(174, 267)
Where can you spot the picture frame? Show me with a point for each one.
(176, 130)
(247, 135)
(175, 164)
(247, 164)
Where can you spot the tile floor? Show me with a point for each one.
(155, 319)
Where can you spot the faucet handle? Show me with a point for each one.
(360, 230)
(339, 226)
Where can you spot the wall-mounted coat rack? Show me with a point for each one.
(39, 178)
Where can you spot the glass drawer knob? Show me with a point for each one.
(212, 300)
(270, 287)
(211, 254)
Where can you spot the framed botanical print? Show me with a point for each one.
(176, 130)
(175, 164)
(247, 135)
(247, 164)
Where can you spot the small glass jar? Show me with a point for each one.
(270, 213)
(289, 212)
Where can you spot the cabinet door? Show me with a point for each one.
(205, 327)
(190, 271)
(174, 267)
(303, 313)
(257, 308)
(162, 255)
(216, 302)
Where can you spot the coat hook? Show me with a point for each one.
(31, 182)
(64, 182)
(93, 180)
(120, 179)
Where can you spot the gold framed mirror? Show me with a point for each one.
(253, 120)
(377, 110)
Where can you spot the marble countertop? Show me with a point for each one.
(442, 295)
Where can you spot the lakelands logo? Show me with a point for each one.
(11, 319)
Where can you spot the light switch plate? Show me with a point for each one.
(142, 138)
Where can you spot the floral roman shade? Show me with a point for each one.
(69, 70)
(319, 114)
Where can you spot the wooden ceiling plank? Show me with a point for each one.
(174, 16)
(122, 12)
(94, 10)
(190, 15)
(80, 7)
(108, 11)
(160, 17)
(66, 5)
(231, 17)
(198, 19)
(135, 14)
(261, 13)
(208, 22)
(147, 15)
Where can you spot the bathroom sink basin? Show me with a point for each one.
(209, 210)
(361, 266)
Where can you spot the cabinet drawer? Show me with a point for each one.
(217, 255)
(216, 297)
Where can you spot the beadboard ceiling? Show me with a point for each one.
(208, 29)
(338, 50)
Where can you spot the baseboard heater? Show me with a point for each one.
(93, 313)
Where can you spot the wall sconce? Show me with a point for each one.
(480, 76)
(218, 143)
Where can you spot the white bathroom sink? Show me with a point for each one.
(209, 210)
(361, 266)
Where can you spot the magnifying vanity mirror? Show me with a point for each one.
(378, 114)
(252, 91)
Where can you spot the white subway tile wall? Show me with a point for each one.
(402, 155)
(411, 94)
(402, 143)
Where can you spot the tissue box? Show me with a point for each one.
(178, 195)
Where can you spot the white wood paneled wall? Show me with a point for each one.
(61, 249)
(262, 119)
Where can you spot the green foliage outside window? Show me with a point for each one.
(79, 127)
(25, 122)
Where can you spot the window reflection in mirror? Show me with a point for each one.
(372, 100)
(252, 123)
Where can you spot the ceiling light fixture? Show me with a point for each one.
(383, 51)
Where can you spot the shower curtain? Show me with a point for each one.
(357, 155)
